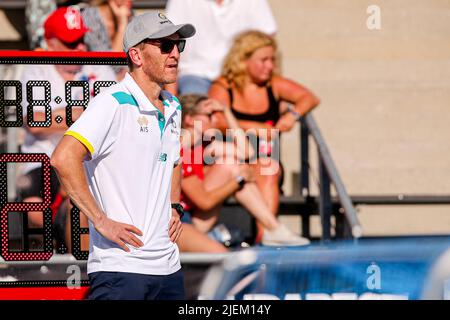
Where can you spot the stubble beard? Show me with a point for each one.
(158, 75)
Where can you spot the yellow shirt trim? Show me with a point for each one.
(82, 139)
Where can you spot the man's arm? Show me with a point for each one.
(175, 227)
(67, 160)
(176, 183)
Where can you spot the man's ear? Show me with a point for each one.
(135, 56)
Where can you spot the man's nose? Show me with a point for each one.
(175, 53)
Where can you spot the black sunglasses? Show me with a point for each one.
(73, 45)
(166, 45)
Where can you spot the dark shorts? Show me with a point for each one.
(135, 286)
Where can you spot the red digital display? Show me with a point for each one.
(21, 95)
(7, 207)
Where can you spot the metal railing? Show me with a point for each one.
(328, 174)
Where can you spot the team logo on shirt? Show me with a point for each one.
(143, 122)
(163, 157)
(174, 130)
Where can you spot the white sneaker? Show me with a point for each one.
(282, 236)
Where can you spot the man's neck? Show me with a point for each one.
(151, 89)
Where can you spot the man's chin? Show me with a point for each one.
(170, 80)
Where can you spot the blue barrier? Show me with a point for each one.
(369, 269)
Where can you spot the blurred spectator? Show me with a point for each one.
(192, 240)
(64, 31)
(217, 23)
(250, 87)
(107, 20)
(36, 11)
(205, 188)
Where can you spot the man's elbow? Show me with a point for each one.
(58, 160)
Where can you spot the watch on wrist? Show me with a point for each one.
(179, 208)
(241, 182)
(294, 112)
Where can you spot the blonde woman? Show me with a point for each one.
(252, 89)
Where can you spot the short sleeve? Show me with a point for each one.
(98, 126)
(262, 17)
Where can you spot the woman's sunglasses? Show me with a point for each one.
(166, 45)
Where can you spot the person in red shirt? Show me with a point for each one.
(205, 187)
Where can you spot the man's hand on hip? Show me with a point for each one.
(175, 226)
(119, 233)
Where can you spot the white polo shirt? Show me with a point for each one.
(134, 148)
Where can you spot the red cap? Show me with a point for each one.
(65, 24)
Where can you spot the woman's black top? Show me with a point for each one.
(272, 114)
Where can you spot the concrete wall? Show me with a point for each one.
(385, 97)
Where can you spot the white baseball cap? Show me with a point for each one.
(153, 25)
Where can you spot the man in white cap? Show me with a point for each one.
(128, 140)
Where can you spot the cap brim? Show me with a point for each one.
(183, 30)
(72, 36)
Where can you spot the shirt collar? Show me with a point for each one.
(143, 103)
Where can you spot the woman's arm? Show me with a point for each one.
(122, 14)
(302, 98)
(290, 91)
